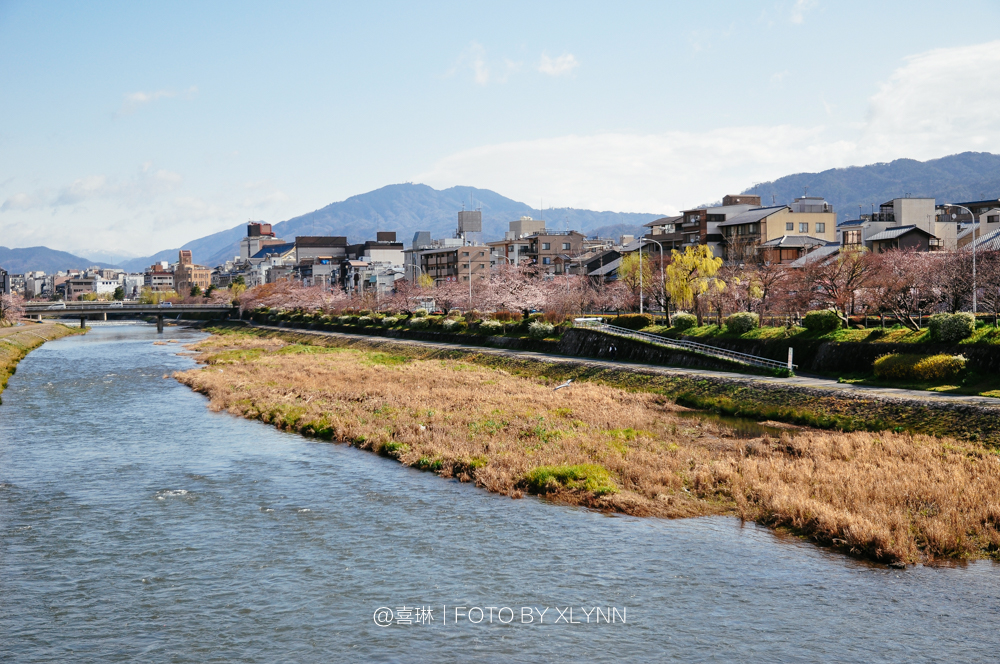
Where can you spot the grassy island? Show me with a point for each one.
(891, 497)
(17, 342)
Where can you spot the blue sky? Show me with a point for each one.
(127, 128)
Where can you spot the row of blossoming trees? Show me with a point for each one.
(906, 286)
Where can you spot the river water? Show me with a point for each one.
(135, 525)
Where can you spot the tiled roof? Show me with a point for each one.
(893, 233)
(988, 242)
(663, 221)
(750, 216)
(826, 251)
(606, 269)
(794, 241)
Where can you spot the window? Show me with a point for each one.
(820, 227)
(510, 247)
(546, 246)
(993, 218)
(789, 226)
(465, 253)
(546, 261)
(565, 246)
(804, 227)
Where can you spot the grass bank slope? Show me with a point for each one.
(886, 496)
(16, 342)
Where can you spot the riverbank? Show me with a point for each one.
(888, 496)
(17, 342)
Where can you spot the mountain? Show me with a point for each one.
(29, 259)
(969, 176)
(404, 208)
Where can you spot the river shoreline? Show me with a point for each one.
(889, 497)
(17, 342)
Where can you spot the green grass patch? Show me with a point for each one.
(385, 359)
(587, 477)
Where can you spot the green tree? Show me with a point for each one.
(196, 291)
(119, 293)
(691, 275)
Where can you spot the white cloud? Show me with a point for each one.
(473, 59)
(564, 64)
(141, 189)
(135, 100)
(639, 173)
(941, 100)
(21, 202)
(799, 10)
(938, 103)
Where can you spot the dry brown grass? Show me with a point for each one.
(885, 496)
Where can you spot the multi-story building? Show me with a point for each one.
(528, 240)
(4, 282)
(454, 264)
(258, 237)
(781, 233)
(666, 231)
(158, 277)
(188, 275)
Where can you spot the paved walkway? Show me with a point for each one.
(810, 382)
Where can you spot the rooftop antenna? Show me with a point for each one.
(806, 192)
(772, 199)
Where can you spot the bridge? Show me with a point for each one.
(86, 310)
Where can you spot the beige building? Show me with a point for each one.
(780, 232)
(187, 275)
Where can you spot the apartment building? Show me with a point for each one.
(780, 233)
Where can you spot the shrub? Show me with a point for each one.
(419, 322)
(538, 329)
(389, 321)
(419, 313)
(491, 327)
(365, 321)
(905, 366)
(742, 322)
(633, 321)
(684, 321)
(454, 325)
(825, 320)
(345, 320)
(365, 312)
(951, 328)
(454, 312)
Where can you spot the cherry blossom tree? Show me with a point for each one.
(11, 309)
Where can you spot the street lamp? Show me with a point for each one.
(973, 252)
(663, 273)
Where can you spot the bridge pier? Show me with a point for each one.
(159, 322)
(104, 316)
(83, 322)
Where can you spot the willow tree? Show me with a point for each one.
(691, 275)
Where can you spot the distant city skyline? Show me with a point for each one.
(127, 129)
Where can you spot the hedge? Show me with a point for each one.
(825, 320)
(742, 322)
(684, 321)
(632, 321)
(951, 328)
(905, 366)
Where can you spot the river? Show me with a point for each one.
(136, 525)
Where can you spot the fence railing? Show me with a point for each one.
(704, 349)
